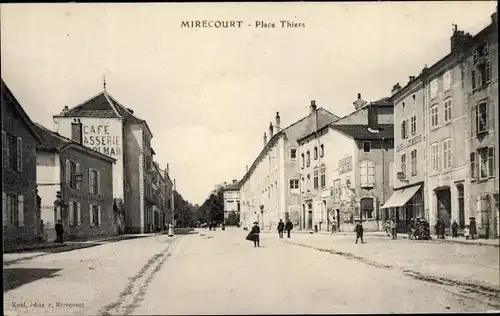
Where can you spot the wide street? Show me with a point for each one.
(221, 273)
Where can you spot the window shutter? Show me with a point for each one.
(478, 163)
(487, 71)
(473, 166)
(72, 213)
(473, 78)
(491, 161)
(91, 216)
(20, 210)
(98, 182)
(4, 148)
(4, 209)
(99, 219)
(91, 181)
(78, 184)
(19, 149)
(474, 119)
(78, 214)
(67, 171)
(403, 130)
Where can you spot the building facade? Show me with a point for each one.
(269, 190)
(232, 199)
(21, 214)
(345, 167)
(114, 130)
(82, 179)
(481, 98)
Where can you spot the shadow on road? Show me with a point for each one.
(15, 277)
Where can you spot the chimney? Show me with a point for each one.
(411, 79)
(278, 121)
(359, 103)
(265, 139)
(234, 181)
(373, 116)
(313, 106)
(130, 110)
(76, 131)
(64, 110)
(270, 130)
(459, 40)
(168, 168)
(395, 89)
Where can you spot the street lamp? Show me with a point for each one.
(58, 203)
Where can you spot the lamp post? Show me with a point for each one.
(58, 204)
(262, 215)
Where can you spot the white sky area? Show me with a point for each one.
(208, 95)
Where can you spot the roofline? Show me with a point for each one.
(21, 111)
(126, 109)
(88, 150)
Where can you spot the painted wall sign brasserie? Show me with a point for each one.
(99, 138)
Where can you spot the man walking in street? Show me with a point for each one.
(59, 231)
(256, 234)
(288, 227)
(359, 232)
(394, 225)
(281, 227)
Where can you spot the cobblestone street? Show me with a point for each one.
(221, 273)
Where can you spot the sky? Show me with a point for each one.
(209, 94)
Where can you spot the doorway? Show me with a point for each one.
(461, 206)
(444, 206)
(338, 220)
(303, 216)
(309, 216)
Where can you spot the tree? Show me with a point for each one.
(184, 211)
(233, 218)
(213, 207)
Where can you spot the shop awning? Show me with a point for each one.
(401, 197)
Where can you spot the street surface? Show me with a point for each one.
(222, 273)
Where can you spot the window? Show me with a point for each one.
(483, 163)
(74, 214)
(413, 101)
(367, 173)
(13, 153)
(434, 115)
(95, 215)
(482, 118)
(308, 181)
(367, 146)
(94, 181)
(413, 127)
(481, 71)
(308, 161)
(293, 153)
(447, 110)
(316, 179)
(303, 160)
(13, 209)
(336, 189)
(323, 176)
(447, 154)
(447, 81)
(491, 162)
(321, 150)
(473, 166)
(70, 173)
(315, 153)
(404, 129)
(433, 88)
(413, 162)
(294, 184)
(403, 163)
(435, 157)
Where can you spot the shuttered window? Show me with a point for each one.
(20, 211)
(19, 154)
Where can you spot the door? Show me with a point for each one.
(338, 219)
(444, 207)
(461, 206)
(309, 216)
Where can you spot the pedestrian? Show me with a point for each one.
(59, 231)
(223, 226)
(388, 228)
(42, 231)
(281, 227)
(288, 227)
(214, 224)
(394, 225)
(473, 228)
(436, 227)
(256, 234)
(454, 229)
(442, 228)
(467, 232)
(359, 231)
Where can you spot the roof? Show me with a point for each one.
(362, 131)
(19, 109)
(233, 186)
(354, 129)
(52, 141)
(103, 105)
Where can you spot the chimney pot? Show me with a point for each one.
(313, 102)
(271, 132)
(265, 139)
(278, 120)
(359, 96)
(313, 106)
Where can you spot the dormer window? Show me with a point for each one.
(293, 154)
(367, 145)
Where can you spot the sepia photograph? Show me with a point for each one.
(250, 158)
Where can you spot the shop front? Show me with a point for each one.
(403, 205)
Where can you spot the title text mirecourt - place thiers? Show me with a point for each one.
(283, 24)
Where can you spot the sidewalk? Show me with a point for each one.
(495, 242)
(73, 244)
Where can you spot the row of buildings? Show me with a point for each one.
(94, 171)
(429, 150)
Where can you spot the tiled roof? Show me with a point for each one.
(362, 131)
(233, 186)
(52, 141)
